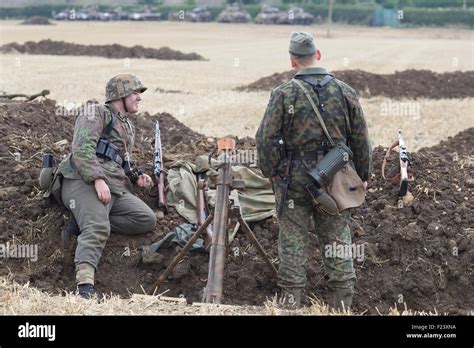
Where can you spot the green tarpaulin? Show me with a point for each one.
(257, 201)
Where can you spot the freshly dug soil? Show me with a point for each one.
(37, 20)
(421, 254)
(61, 48)
(401, 84)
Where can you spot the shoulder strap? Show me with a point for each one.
(316, 110)
(108, 128)
(325, 81)
(315, 83)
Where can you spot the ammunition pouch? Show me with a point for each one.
(105, 149)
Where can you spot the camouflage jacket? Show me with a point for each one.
(83, 162)
(290, 117)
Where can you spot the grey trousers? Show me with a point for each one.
(124, 214)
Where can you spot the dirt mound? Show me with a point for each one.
(61, 48)
(401, 84)
(37, 20)
(421, 254)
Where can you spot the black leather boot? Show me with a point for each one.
(86, 291)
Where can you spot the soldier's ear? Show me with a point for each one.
(318, 54)
(293, 62)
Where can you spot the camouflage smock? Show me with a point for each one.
(84, 164)
(289, 116)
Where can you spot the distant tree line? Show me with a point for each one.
(415, 12)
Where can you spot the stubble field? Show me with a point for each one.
(201, 93)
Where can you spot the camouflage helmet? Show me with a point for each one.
(122, 86)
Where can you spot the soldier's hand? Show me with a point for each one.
(365, 185)
(103, 191)
(144, 180)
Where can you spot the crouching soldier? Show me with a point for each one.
(98, 177)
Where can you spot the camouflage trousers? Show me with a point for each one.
(294, 226)
(124, 214)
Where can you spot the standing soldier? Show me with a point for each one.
(97, 178)
(290, 140)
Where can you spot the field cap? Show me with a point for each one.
(302, 44)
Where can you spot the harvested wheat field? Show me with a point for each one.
(419, 80)
(238, 55)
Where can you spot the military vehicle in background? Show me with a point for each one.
(83, 14)
(60, 16)
(145, 16)
(268, 15)
(106, 16)
(177, 16)
(272, 15)
(120, 14)
(198, 14)
(234, 14)
(296, 15)
(93, 14)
